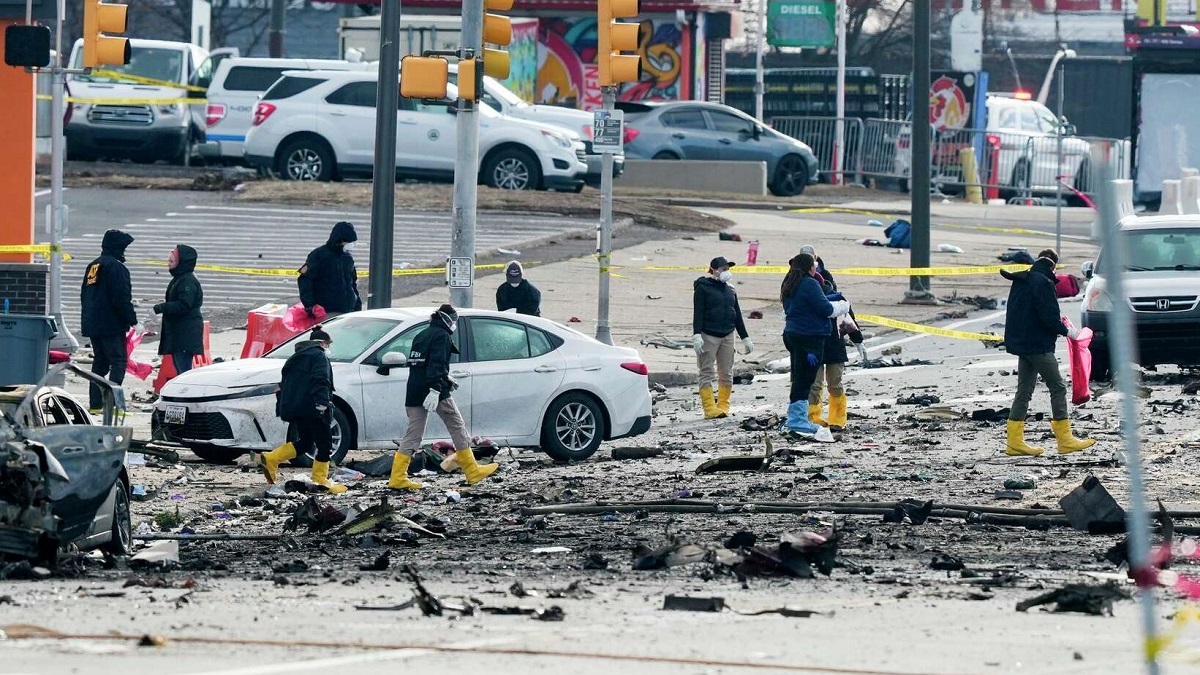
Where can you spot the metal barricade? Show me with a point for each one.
(820, 134)
(880, 151)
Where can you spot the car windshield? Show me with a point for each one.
(352, 335)
(1161, 250)
(504, 94)
(155, 63)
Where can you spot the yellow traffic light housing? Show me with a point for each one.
(100, 49)
(468, 80)
(424, 77)
(615, 37)
(497, 30)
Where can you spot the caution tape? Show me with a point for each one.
(278, 272)
(138, 79)
(928, 330)
(127, 101)
(851, 271)
(44, 250)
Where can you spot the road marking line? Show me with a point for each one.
(249, 209)
(372, 657)
(41, 193)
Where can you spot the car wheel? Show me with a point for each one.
(902, 184)
(1101, 364)
(122, 529)
(573, 428)
(578, 188)
(512, 169)
(791, 177)
(1020, 177)
(214, 455)
(339, 428)
(183, 154)
(665, 155)
(306, 159)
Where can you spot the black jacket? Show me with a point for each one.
(307, 383)
(835, 344)
(525, 298)
(429, 364)
(106, 295)
(328, 277)
(182, 323)
(1032, 324)
(715, 309)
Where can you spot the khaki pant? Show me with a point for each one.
(448, 412)
(830, 374)
(1029, 368)
(716, 361)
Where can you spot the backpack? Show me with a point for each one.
(899, 234)
(1067, 286)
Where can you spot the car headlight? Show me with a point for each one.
(555, 138)
(168, 108)
(255, 390)
(1097, 301)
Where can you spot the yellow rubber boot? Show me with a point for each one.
(814, 415)
(320, 476)
(1016, 445)
(399, 479)
(473, 471)
(269, 461)
(837, 412)
(709, 404)
(723, 393)
(1067, 442)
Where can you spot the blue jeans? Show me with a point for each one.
(182, 361)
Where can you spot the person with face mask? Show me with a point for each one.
(430, 389)
(304, 400)
(716, 318)
(107, 312)
(807, 327)
(328, 277)
(517, 293)
(182, 323)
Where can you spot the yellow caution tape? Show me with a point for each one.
(127, 101)
(43, 250)
(928, 330)
(138, 79)
(852, 271)
(277, 272)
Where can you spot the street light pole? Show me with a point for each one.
(466, 162)
(604, 236)
(839, 136)
(761, 42)
(58, 211)
(919, 253)
(383, 188)
(275, 45)
(1059, 172)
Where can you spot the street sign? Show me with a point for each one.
(607, 131)
(801, 23)
(460, 273)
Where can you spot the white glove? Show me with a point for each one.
(322, 408)
(840, 307)
(747, 345)
(1072, 332)
(862, 351)
(139, 329)
(453, 383)
(698, 344)
(431, 401)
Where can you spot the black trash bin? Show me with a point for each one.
(25, 344)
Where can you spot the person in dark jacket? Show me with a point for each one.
(517, 293)
(107, 313)
(182, 322)
(328, 277)
(305, 401)
(431, 389)
(716, 317)
(834, 358)
(805, 332)
(1031, 329)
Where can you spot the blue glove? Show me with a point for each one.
(813, 361)
(834, 296)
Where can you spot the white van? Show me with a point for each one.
(236, 86)
(148, 118)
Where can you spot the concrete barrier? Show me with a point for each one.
(1189, 195)
(749, 178)
(1170, 206)
(1188, 171)
(1123, 190)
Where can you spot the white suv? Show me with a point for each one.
(319, 125)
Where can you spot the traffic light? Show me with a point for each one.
(468, 80)
(100, 49)
(497, 30)
(424, 77)
(616, 37)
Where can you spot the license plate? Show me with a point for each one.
(176, 414)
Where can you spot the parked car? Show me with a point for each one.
(234, 89)
(1163, 284)
(62, 476)
(505, 102)
(524, 381)
(711, 131)
(133, 126)
(320, 125)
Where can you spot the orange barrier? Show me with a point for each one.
(265, 329)
(166, 371)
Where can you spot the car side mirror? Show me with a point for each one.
(1088, 268)
(391, 360)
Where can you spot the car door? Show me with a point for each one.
(736, 135)
(425, 136)
(687, 134)
(383, 393)
(516, 369)
(350, 111)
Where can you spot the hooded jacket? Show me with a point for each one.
(1032, 323)
(328, 277)
(182, 322)
(715, 309)
(524, 297)
(807, 309)
(429, 364)
(106, 296)
(307, 382)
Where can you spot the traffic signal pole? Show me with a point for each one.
(919, 292)
(466, 162)
(604, 236)
(64, 341)
(383, 188)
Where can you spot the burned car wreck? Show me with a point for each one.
(63, 481)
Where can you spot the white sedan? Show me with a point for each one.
(523, 381)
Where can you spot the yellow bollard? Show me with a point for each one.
(966, 157)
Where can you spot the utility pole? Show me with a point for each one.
(604, 236)
(383, 188)
(839, 136)
(278, 30)
(466, 161)
(919, 253)
(64, 340)
(761, 43)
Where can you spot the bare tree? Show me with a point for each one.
(172, 20)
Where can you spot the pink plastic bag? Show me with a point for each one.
(297, 320)
(1081, 366)
(136, 368)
